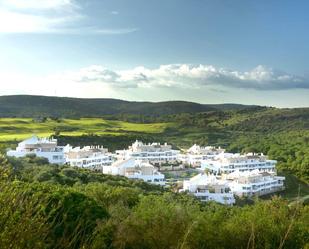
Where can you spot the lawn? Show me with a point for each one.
(21, 128)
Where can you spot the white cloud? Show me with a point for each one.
(172, 81)
(37, 16)
(16, 83)
(14, 22)
(114, 31)
(189, 76)
(38, 4)
(168, 82)
(49, 16)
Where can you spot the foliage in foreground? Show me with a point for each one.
(44, 206)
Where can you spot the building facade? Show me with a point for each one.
(90, 157)
(208, 188)
(155, 153)
(254, 183)
(41, 147)
(228, 162)
(195, 155)
(136, 169)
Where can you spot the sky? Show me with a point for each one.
(207, 51)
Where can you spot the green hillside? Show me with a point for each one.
(42, 106)
(283, 134)
(48, 206)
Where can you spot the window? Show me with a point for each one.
(211, 190)
(203, 198)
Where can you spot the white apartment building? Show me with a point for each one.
(229, 162)
(90, 157)
(254, 183)
(135, 169)
(208, 188)
(195, 155)
(41, 147)
(154, 153)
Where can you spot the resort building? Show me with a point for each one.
(197, 154)
(90, 157)
(229, 162)
(254, 183)
(135, 169)
(208, 188)
(154, 153)
(41, 147)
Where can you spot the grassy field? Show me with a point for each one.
(20, 128)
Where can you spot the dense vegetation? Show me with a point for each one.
(44, 206)
(48, 206)
(42, 106)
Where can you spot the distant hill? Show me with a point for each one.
(34, 106)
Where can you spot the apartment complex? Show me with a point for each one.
(230, 173)
(154, 153)
(196, 154)
(254, 183)
(208, 188)
(229, 162)
(91, 157)
(41, 147)
(135, 169)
